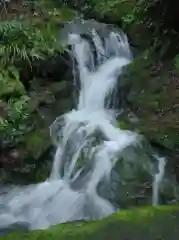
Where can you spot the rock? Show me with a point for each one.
(36, 142)
(54, 68)
(132, 180)
(134, 185)
(140, 223)
(28, 162)
(152, 94)
(139, 36)
(51, 100)
(12, 160)
(153, 97)
(48, 100)
(82, 27)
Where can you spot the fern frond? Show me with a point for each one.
(24, 42)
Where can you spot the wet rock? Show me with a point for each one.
(17, 227)
(131, 179)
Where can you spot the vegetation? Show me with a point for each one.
(33, 91)
(149, 223)
(28, 42)
(22, 43)
(136, 16)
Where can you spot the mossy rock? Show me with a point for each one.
(153, 96)
(113, 10)
(37, 141)
(46, 101)
(139, 35)
(123, 125)
(149, 223)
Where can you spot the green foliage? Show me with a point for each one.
(26, 40)
(14, 125)
(163, 28)
(13, 96)
(118, 8)
(10, 83)
(23, 42)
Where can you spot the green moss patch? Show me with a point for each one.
(150, 223)
(154, 98)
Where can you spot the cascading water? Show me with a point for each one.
(88, 144)
(158, 179)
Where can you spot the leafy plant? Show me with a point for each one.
(10, 83)
(14, 124)
(25, 38)
(22, 41)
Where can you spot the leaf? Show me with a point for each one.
(10, 84)
(14, 72)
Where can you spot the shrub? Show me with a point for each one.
(14, 124)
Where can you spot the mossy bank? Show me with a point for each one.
(150, 223)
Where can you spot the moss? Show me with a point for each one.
(67, 14)
(42, 173)
(123, 125)
(139, 34)
(153, 97)
(113, 10)
(37, 141)
(149, 223)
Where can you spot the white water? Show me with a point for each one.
(158, 179)
(70, 193)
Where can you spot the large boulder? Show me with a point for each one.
(151, 93)
(153, 96)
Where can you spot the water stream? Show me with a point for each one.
(88, 143)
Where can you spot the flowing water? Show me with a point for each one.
(158, 177)
(88, 143)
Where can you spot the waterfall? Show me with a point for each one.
(158, 177)
(87, 140)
